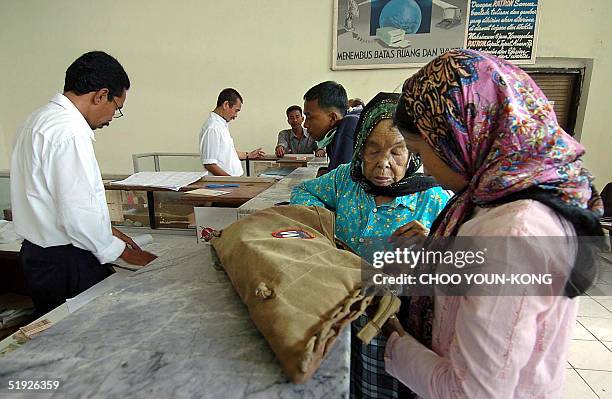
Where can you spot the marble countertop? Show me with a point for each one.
(176, 328)
(281, 191)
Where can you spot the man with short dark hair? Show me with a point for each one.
(217, 151)
(325, 108)
(296, 140)
(57, 195)
(355, 106)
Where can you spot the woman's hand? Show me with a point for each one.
(411, 229)
(393, 325)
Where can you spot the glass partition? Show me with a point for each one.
(172, 162)
(128, 208)
(144, 164)
(160, 161)
(180, 163)
(170, 212)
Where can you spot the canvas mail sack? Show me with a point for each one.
(301, 291)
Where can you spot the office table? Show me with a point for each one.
(249, 187)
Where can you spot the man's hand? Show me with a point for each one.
(136, 257)
(125, 238)
(256, 154)
(320, 152)
(279, 151)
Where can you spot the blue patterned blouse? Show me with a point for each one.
(358, 219)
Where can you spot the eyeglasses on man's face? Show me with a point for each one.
(118, 113)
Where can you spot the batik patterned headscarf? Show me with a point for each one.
(382, 107)
(489, 121)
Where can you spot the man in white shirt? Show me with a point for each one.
(217, 151)
(57, 195)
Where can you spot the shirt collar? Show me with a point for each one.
(218, 118)
(65, 103)
(304, 130)
(407, 201)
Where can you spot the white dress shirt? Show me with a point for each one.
(217, 146)
(57, 194)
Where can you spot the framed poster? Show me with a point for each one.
(371, 34)
(505, 28)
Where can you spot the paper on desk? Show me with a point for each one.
(170, 180)
(143, 239)
(206, 192)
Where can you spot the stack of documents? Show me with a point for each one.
(169, 180)
(206, 192)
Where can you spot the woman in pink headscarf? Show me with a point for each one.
(485, 130)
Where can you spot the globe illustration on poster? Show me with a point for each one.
(402, 14)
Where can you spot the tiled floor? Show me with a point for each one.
(589, 372)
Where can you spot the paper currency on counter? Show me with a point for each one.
(35, 328)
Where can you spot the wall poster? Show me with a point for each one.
(371, 34)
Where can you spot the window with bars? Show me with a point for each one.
(562, 88)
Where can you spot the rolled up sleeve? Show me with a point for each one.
(210, 146)
(283, 139)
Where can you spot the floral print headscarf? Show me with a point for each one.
(488, 121)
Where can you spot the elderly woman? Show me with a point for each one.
(377, 194)
(485, 130)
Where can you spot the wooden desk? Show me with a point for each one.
(249, 188)
(236, 196)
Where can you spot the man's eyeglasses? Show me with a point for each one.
(118, 113)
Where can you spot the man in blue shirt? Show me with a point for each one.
(325, 107)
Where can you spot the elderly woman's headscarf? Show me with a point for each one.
(489, 121)
(382, 107)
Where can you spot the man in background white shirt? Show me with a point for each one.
(57, 195)
(217, 151)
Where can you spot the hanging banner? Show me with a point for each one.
(374, 34)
